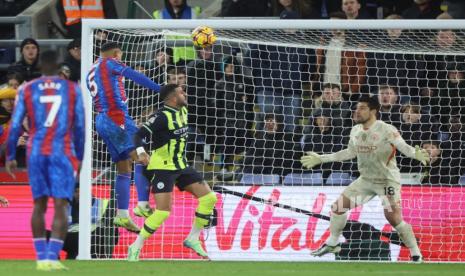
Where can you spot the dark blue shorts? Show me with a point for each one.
(119, 140)
(52, 175)
(163, 181)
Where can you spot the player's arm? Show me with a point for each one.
(141, 79)
(79, 124)
(396, 139)
(313, 159)
(15, 130)
(154, 124)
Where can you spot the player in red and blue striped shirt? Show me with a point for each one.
(55, 115)
(105, 82)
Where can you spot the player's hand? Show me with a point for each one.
(422, 155)
(143, 158)
(10, 166)
(3, 201)
(22, 141)
(310, 160)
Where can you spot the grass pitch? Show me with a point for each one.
(204, 268)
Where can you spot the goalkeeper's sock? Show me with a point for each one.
(123, 182)
(202, 215)
(54, 247)
(151, 224)
(336, 225)
(142, 185)
(406, 234)
(40, 246)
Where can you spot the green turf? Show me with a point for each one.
(193, 268)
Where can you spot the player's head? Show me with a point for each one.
(367, 109)
(49, 63)
(173, 95)
(111, 50)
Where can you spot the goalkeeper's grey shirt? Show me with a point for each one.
(375, 149)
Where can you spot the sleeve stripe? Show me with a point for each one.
(147, 128)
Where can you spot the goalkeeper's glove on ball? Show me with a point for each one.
(310, 160)
(421, 155)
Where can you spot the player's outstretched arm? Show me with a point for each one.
(312, 159)
(407, 150)
(140, 79)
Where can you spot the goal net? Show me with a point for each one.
(264, 94)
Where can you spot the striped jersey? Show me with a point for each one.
(105, 82)
(55, 117)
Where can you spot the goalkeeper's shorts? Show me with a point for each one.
(118, 139)
(363, 190)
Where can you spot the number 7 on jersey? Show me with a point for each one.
(55, 100)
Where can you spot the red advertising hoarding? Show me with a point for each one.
(251, 230)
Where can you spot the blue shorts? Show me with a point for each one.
(119, 141)
(52, 175)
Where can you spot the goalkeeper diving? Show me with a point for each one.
(374, 143)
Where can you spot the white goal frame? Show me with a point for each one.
(88, 25)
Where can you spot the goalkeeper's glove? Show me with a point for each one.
(310, 160)
(421, 155)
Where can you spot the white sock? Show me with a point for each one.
(406, 234)
(336, 225)
(139, 242)
(143, 204)
(122, 213)
(195, 233)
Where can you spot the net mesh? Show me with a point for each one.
(259, 99)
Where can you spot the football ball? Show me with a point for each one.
(203, 36)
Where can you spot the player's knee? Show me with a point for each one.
(393, 219)
(209, 200)
(164, 208)
(123, 166)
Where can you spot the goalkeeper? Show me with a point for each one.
(167, 166)
(374, 143)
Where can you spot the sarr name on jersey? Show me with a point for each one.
(49, 85)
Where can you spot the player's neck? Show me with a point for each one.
(369, 123)
(172, 106)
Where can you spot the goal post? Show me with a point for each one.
(240, 234)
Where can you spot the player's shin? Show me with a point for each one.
(202, 215)
(406, 234)
(142, 186)
(336, 225)
(122, 185)
(151, 224)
